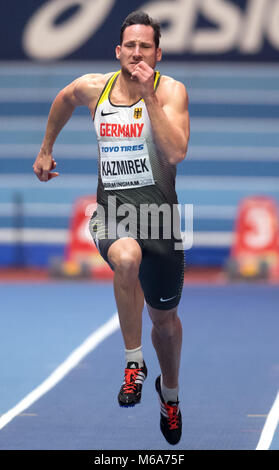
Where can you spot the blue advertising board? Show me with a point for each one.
(51, 30)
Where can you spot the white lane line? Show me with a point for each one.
(29, 181)
(198, 124)
(197, 95)
(233, 96)
(183, 183)
(77, 68)
(37, 209)
(270, 426)
(48, 209)
(198, 152)
(75, 151)
(65, 367)
(35, 235)
(220, 183)
(43, 236)
(76, 123)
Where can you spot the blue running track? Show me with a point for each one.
(228, 382)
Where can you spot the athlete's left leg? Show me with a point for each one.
(167, 341)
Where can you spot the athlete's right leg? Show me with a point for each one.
(125, 257)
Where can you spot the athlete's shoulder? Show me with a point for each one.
(93, 79)
(89, 86)
(169, 84)
(171, 89)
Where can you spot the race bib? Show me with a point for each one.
(125, 166)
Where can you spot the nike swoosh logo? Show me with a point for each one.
(165, 300)
(107, 114)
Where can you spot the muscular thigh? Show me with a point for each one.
(112, 249)
(162, 273)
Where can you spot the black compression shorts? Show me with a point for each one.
(161, 271)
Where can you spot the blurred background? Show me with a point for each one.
(225, 52)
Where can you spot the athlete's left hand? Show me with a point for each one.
(145, 76)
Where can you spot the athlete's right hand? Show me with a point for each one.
(44, 165)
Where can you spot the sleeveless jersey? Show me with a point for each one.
(129, 166)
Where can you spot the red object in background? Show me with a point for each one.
(81, 249)
(257, 233)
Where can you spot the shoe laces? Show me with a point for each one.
(173, 417)
(130, 378)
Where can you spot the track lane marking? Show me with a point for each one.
(63, 369)
(270, 426)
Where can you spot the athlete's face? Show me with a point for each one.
(138, 44)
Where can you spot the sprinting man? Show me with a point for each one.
(142, 125)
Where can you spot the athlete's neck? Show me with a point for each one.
(126, 90)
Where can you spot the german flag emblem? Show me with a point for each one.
(138, 113)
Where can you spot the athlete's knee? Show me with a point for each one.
(165, 322)
(127, 265)
(126, 259)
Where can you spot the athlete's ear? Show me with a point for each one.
(117, 51)
(158, 54)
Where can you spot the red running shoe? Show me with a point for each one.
(130, 392)
(171, 419)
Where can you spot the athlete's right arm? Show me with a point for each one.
(80, 92)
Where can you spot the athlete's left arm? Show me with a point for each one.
(171, 127)
(168, 112)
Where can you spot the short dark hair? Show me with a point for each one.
(140, 17)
